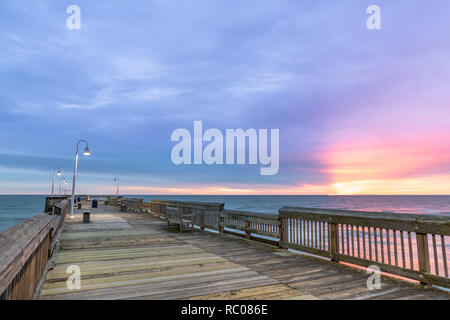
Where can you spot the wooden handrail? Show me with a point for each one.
(50, 202)
(191, 204)
(24, 251)
(204, 214)
(254, 224)
(409, 245)
(430, 223)
(260, 215)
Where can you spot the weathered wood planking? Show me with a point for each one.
(271, 292)
(128, 253)
(402, 243)
(132, 256)
(318, 277)
(117, 242)
(24, 252)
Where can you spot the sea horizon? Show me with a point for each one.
(13, 211)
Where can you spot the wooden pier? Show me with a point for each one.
(127, 251)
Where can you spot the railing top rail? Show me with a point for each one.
(94, 195)
(62, 204)
(19, 242)
(421, 223)
(57, 197)
(215, 205)
(268, 216)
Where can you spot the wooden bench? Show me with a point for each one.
(183, 218)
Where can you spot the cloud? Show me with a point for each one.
(311, 69)
(128, 68)
(154, 93)
(16, 52)
(263, 83)
(102, 98)
(113, 95)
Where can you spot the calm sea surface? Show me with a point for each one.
(16, 208)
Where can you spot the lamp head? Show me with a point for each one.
(59, 172)
(86, 152)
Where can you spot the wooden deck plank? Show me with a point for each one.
(108, 234)
(169, 286)
(196, 271)
(152, 240)
(184, 293)
(276, 291)
(94, 268)
(127, 253)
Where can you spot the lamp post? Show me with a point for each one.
(61, 181)
(116, 178)
(85, 153)
(53, 180)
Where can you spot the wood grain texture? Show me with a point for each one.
(24, 251)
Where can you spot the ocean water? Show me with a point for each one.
(16, 208)
(271, 204)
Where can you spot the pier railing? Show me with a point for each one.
(113, 201)
(51, 202)
(132, 204)
(206, 214)
(408, 245)
(25, 250)
(251, 224)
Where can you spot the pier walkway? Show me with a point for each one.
(124, 255)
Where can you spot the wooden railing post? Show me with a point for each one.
(221, 223)
(202, 219)
(283, 232)
(247, 228)
(334, 241)
(423, 254)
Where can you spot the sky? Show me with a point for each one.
(359, 111)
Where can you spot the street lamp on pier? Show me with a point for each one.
(116, 178)
(62, 181)
(53, 180)
(86, 152)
